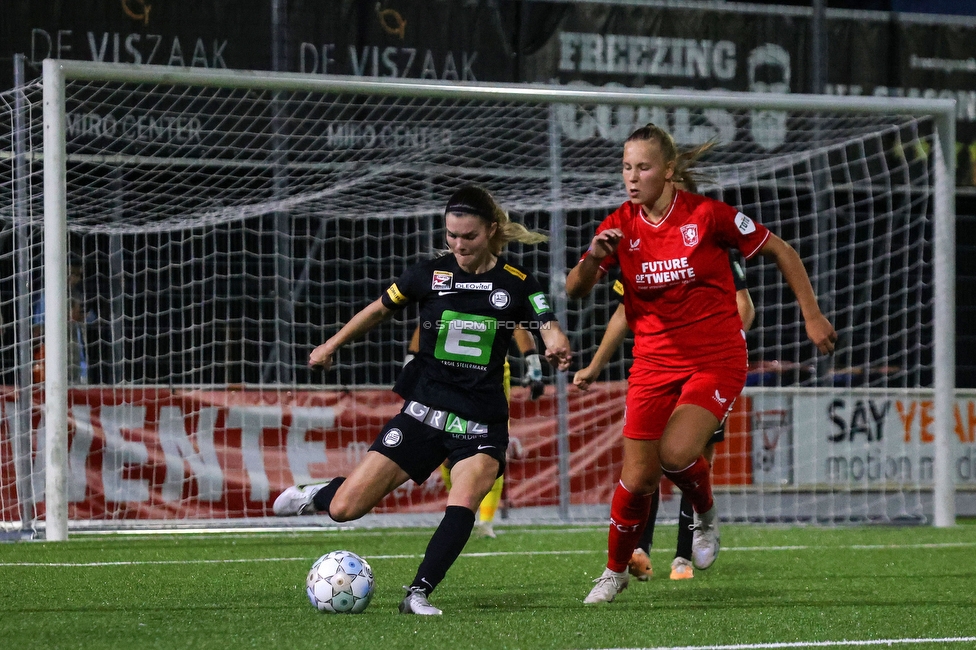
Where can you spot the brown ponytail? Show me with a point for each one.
(477, 201)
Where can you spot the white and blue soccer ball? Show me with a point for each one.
(340, 582)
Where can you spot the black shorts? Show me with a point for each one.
(420, 438)
(718, 436)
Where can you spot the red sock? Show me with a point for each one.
(628, 516)
(696, 482)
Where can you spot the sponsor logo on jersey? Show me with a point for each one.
(744, 224)
(474, 286)
(660, 273)
(441, 280)
(499, 299)
(514, 271)
(465, 338)
(396, 295)
(635, 244)
(392, 438)
(539, 303)
(689, 234)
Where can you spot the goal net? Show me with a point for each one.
(214, 227)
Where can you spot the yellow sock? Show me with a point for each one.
(446, 476)
(490, 503)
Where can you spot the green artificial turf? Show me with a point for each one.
(771, 585)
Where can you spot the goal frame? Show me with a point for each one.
(57, 72)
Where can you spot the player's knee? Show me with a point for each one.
(342, 509)
(674, 460)
(466, 499)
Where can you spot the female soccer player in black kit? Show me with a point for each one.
(471, 300)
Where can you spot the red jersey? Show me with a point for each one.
(679, 293)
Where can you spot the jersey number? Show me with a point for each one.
(465, 337)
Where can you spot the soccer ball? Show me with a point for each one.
(340, 582)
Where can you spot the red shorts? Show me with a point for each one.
(652, 400)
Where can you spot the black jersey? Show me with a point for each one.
(466, 325)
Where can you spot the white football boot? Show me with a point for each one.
(705, 542)
(484, 529)
(607, 587)
(297, 500)
(415, 602)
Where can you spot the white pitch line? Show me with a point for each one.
(479, 555)
(811, 644)
(151, 562)
(413, 556)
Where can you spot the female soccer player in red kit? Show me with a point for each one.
(689, 349)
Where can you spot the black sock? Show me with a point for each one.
(444, 547)
(685, 531)
(647, 538)
(323, 498)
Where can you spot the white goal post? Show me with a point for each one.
(873, 206)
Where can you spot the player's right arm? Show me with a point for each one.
(585, 274)
(613, 338)
(371, 316)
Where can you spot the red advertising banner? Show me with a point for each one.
(161, 454)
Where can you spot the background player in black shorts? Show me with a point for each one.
(455, 409)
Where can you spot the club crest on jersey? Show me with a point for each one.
(441, 280)
(499, 299)
(392, 438)
(689, 234)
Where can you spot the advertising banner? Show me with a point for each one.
(873, 439)
(156, 453)
(456, 40)
(162, 454)
(761, 49)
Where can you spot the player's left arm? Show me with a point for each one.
(413, 348)
(537, 309)
(557, 345)
(819, 329)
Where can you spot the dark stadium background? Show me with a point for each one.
(509, 38)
